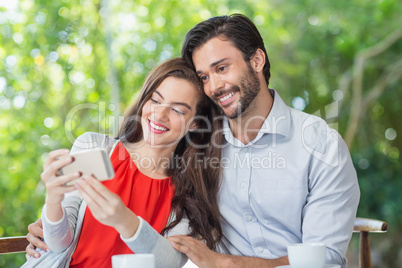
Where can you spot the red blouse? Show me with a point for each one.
(148, 198)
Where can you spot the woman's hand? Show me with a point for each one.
(107, 207)
(56, 185)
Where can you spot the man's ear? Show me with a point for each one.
(258, 61)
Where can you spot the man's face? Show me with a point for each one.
(228, 80)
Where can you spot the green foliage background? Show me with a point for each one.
(56, 56)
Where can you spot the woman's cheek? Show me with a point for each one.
(146, 109)
(181, 123)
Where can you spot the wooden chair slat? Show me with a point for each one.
(13, 244)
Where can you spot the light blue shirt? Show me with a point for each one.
(295, 182)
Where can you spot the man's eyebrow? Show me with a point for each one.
(175, 103)
(212, 65)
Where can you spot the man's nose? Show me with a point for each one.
(216, 84)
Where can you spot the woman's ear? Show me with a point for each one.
(193, 127)
(258, 61)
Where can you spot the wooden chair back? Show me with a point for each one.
(366, 226)
(13, 244)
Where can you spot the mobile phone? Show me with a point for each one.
(90, 162)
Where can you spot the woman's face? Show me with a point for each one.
(168, 115)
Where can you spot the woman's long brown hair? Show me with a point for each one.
(196, 180)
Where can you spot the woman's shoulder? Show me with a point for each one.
(92, 140)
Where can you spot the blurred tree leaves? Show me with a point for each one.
(56, 78)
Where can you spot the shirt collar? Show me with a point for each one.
(277, 122)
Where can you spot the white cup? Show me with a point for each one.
(133, 261)
(308, 255)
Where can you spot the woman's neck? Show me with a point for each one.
(151, 160)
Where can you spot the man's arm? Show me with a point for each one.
(330, 211)
(252, 262)
(35, 237)
(203, 257)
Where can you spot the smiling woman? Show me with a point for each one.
(169, 112)
(129, 211)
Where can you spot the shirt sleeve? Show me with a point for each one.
(334, 194)
(147, 240)
(59, 235)
(92, 140)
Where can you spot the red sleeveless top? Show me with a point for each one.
(148, 198)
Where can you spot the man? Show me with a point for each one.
(287, 177)
(290, 178)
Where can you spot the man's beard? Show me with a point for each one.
(250, 86)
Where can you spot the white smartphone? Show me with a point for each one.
(90, 162)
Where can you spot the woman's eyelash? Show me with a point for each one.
(177, 111)
(174, 109)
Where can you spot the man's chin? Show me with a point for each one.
(232, 113)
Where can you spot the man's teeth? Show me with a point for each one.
(226, 97)
(157, 127)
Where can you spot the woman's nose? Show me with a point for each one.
(160, 112)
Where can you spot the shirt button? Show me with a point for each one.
(243, 185)
(249, 218)
(260, 249)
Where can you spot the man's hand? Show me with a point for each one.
(197, 252)
(35, 236)
(203, 257)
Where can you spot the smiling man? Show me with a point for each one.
(311, 197)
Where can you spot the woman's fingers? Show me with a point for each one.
(60, 184)
(100, 188)
(97, 190)
(91, 196)
(102, 202)
(53, 155)
(51, 169)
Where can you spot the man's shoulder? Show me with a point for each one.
(311, 123)
(314, 131)
(318, 138)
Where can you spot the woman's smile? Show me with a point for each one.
(156, 128)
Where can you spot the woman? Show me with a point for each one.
(156, 157)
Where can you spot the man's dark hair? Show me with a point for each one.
(236, 28)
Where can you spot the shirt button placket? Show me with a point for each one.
(252, 224)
